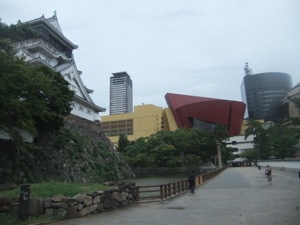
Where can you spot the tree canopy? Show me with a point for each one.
(14, 33)
(183, 147)
(273, 140)
(261, 138)
(32, 98)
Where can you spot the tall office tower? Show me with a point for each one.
(263, 93)
(120, 100)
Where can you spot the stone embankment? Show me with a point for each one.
(70, 207)
(292, 165)
(80, 152)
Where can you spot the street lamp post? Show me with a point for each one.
(219, 155)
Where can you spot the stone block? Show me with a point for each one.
(72, 203)
(96, 199)
(79, 206)
(88, 210)
(124, 195)
(59, 213)
(49, 211)
(109, 203)
(88, 200)
(47, 202)
(100, 207)
(117, 196)
(79, 198)
(72, 211)
(57, 198)
(60, 205)
(4, 208)
(36, 206)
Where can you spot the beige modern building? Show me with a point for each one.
(288, 108)
(143, 122)
(294, 93)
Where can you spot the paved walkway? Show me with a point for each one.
(237, 196)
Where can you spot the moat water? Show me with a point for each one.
(157, 179)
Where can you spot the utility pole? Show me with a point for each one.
(219, 155)
(182, 158)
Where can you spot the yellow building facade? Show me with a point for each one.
(245, 125)
(143, 122)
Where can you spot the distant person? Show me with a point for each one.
(192, 180)
(258, 167)
(268, 172)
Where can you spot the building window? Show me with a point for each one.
(116, 128)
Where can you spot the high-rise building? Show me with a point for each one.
(120, 99)
(263, 93)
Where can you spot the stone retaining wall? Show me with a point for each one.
(80, 152)
(80, 205)
(292, 165)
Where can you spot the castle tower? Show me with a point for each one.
(51, 48)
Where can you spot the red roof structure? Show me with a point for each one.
(206, 112)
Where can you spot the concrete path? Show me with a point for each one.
(237, 196)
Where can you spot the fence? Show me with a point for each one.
(152, 193)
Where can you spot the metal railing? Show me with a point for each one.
(154, 193)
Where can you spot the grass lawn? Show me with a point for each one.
(44, 190)
(9, 219)
(50, 189)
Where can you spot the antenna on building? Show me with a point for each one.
(247, 70)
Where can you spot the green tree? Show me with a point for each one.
(123, 142)
(250, 154)
(283, 141)
(220, 133)
(183, 144)
(136, 153)
(296, 101)
(32, 98)
(208, 146)
(162, 154)
(261, 139)
(296, 120)
(183, 147)
(14, 33)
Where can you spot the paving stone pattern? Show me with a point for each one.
(240, 196)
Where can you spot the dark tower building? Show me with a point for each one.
(120, 100)
(263, 93)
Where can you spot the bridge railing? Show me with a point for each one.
(153, 193)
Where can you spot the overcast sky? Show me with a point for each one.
(190, 47)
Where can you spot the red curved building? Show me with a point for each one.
(205, 113)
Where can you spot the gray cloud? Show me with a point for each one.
(193, 47)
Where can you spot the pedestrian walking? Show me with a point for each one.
(268, 172)
(258, 167)
(192, 180)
